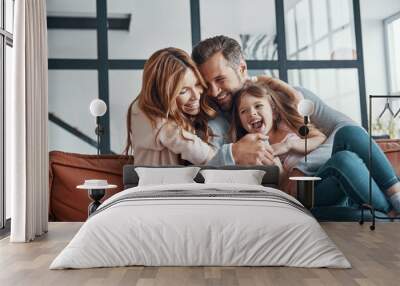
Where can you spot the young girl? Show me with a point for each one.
(259, 109)
(344, 176)
(163, 119)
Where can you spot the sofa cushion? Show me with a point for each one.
(67, 170)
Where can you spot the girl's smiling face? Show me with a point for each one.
(255, 114)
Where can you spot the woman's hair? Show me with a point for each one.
(163, 75)
(284, 107)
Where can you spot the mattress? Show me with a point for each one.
(201, 225)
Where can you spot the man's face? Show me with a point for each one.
(222, 79)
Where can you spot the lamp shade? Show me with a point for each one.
(305, 107)
(98, 107)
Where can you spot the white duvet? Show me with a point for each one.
(208, 230)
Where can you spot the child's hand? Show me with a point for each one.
(252, 150)
(280, 148)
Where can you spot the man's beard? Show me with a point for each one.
(227, 106)
(224, 100)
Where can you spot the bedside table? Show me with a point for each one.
(305, 190)
(96, 191)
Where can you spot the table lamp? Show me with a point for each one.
(305, 109)
(305, 185)
(98, 108)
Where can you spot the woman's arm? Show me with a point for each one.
(186, 144)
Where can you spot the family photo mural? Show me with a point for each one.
(205, 109)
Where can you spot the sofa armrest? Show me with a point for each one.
(67, 170)
(391, 148)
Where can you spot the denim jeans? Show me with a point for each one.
(345, 176)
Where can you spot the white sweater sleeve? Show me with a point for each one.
(186, 144)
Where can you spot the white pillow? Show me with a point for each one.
(163, 176)
(249, 177)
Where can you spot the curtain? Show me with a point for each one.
(27, 148)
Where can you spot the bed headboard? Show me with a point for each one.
(270, 179)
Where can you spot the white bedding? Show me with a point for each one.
(187, 230)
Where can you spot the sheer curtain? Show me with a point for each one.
(26, 116)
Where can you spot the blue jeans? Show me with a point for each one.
(345, 176)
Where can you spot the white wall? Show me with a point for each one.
(124, 87)
(234, 17)
(70, 93)
(72, 43)
(155, 24)
(373, 14)
(374, 57)
(71, 7)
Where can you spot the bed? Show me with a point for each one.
(198, 224)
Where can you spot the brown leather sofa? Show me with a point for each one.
(391, 147)
(67, 170)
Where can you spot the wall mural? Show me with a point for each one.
(85, 65)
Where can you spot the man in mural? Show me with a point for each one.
(221, 62)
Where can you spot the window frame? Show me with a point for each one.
(6, 39)
(390, 83)
(331, 32)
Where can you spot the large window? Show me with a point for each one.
(257, 37)
(6, 42)
(98, 49)
(392, 27)
(324, 31)
(336, 87)
(71, 43)
(320, 30)
(154, 24)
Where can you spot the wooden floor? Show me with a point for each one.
(374, 255)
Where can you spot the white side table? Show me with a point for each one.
(305, 190)
(96, 191)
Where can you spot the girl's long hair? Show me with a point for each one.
(163, 75)
(283, 105)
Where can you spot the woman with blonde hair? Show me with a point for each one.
(168, 121)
